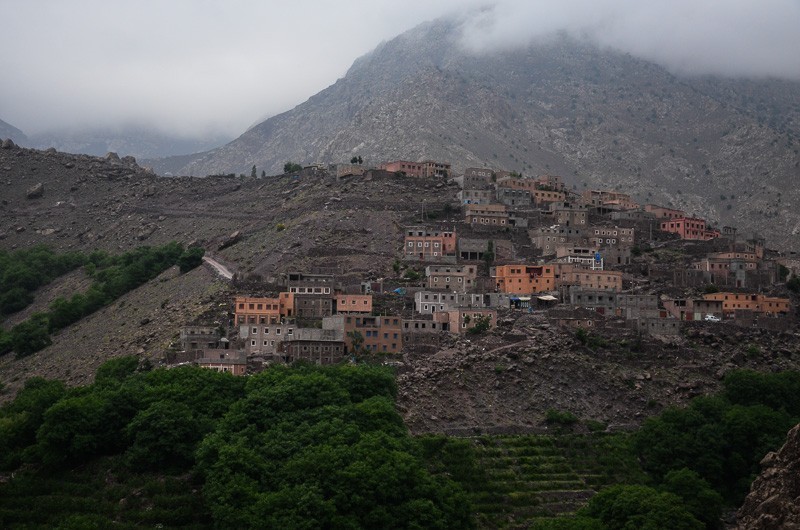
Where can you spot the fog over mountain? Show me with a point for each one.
(209, 68)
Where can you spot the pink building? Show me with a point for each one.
(689, 228)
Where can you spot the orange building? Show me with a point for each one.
(758, 303)
(524, 279)
(423, 244)
(662, 212)
(458, 321)
(257, 310)
(570, 274)
(352, 303)
(689, 228)
(609, 199)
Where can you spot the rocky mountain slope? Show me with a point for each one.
(774, 499)
(9, 131)
(721, 148)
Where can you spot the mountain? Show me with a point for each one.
(725, 149)
(138, 142)
(9, 131)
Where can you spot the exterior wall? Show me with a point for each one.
(481, 172)
(689, 228)
(451, 277)
(381, 334)
(664, 213)
(547, 239)
(421, 326)
(637, 305)
(427, 245)
(524, 279)
(604, 236)
(352, 303)
(601, 300)
(487, 214)
(320, 346)
(658, 326)
(758, 303)
(224, 361)
(572, 275)
(538, 195)
(608, 199)
(552, 182)
(313, 305)
(472, 196)
(427, 168)
(462, 319)
(411, 169)
(199, 337)
(546, 196)
(514, 197)
(427, 302)
(570, 216)
(264, 339)
(257, 310)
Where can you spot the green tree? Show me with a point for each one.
(640, 507)
(164, 436)
(31, 335)
(291, 167)
(703, 503)
(191, 258)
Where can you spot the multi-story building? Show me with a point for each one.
(379, 334)
(515, 198)
(757, 303)
(265, 339)
(451, 277)
(426, 245)
(427, 302)
(606, 236)
(487, 214)
(524, 279)
(200, 337)
(548, 238)
(257, 310)
(352, 303)
(609, 200)
(426, 168)
(662, 212)
(319, 346)
(571, 274)
(689, 228)
(459, 321)
(566, 215)
(540, 193)
(225, 361)
(476, 196)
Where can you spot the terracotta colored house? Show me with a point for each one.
(460, 320)
(757, 303)
(524, 279)
(427, 245)
(689, 228)
(608, 199)
(352, 303)
(380, 334)
(249, 310)
(570, 274)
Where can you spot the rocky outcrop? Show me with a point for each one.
(35, 191)
(774, 499)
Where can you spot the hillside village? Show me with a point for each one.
(508, 245)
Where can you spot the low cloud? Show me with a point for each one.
(730, 38)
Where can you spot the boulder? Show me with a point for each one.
(35, 191)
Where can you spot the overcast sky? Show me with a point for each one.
(197, 66)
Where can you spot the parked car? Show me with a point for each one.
(712, 318)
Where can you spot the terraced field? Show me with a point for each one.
(98, 497)
(515, 481)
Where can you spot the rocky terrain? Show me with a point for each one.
(774, 499)
(261, 227)
(724, 149)
(506, 381)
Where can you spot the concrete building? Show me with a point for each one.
(225, 361)
(487, 214)
(379, 334)
(452, 277)
(472, 196)
(422, 244)
(757, 303)
(425, 169)
(257, 310)
(661, 212)
(314, 345)
(200, 337)
(514, 198)
(352, 303)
